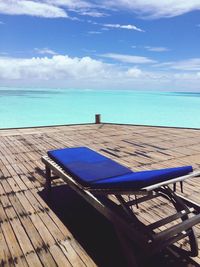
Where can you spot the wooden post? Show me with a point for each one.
(97, 118)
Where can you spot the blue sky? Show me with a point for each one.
(121, 44)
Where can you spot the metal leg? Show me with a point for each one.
(48, 178)
(179, 205)
(193, 244)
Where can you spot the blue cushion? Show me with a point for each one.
(87, 165)
(138, 180)
(92, 169)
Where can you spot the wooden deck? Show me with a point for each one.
(32, 232)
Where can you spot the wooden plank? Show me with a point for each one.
(20, 228)
(139, 147)
(56, 232)
(35, 243)
(5, 255)
(17, 256)
(74, 251)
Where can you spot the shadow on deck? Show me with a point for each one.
(97, 235)
(32, 235)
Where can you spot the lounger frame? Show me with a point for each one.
(128, 227)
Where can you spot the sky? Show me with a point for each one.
(100, 44)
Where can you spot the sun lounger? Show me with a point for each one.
(107, 185)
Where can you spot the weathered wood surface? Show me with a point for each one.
(30, 233)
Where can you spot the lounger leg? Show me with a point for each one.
(127, 249)
(193, 244)
(48, 178)
(180, 205)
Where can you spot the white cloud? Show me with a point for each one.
(129, 58)
(108, 26)
(187, 76)
(152, 48)
(50, 8)
(44, 68)
(84, 8)
(191, 64)
(31, 8)
(1, 23)
(154, 8)
(85, 72)
(119, 26)
(94, 32)
(78, 4)
(92, 13)
(156, 48)
(45, 51)
(57, 8)
(134, 72)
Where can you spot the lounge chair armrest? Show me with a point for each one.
(172, 181)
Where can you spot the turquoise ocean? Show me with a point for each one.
(43, 107)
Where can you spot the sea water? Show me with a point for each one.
(42, 107)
